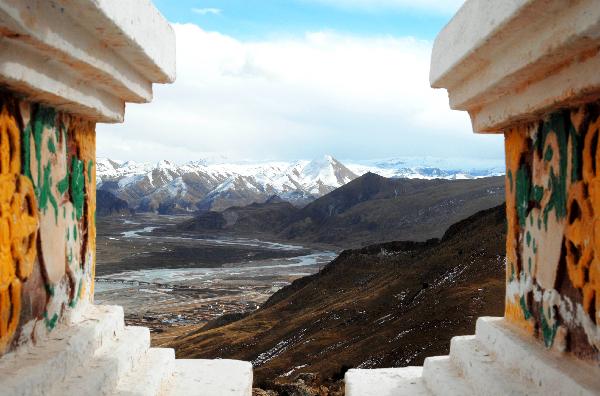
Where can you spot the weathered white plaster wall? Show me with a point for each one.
(85, 57)
(515, 60)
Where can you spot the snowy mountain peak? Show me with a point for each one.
(317, 175)
(216, 186)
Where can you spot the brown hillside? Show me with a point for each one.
(384, 305)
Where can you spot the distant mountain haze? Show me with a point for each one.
(168, 188)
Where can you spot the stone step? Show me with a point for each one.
(113, 361)
(386, 382)
(210, 378)
(34, 370)
(483, 372)
(151, 376)
(441, 377)
(549, 371)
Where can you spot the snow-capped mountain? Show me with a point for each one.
(168, 188)
(431, 167)
(205, 185)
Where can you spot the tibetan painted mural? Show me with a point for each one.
(553, 241)
(47, 218)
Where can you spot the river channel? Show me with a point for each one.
(167, 279)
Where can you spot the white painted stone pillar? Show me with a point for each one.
(64, 66)
(529, 69)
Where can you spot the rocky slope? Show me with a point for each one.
(169, 188)
(386, 305)
(370, 209)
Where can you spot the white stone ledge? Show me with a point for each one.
(87, 57)
(55, 84)
(385, 382)
(211, 378)
(550, 372)
(499, 360)
(135, 29)
(512, 61)
(95, 354)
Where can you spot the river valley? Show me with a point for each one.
(168, 280)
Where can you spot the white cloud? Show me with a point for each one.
(295, 98)
(207, 11)
(447, 7)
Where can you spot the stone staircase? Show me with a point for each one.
(498, 360)
(99, 355)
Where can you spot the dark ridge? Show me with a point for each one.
(107, 204)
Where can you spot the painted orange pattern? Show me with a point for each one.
(516, 147)
(553, 241)
(18, 227)
(578, 238)
(591, 176)
(85, 137)
(47, 171)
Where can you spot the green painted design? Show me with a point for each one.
(548, 331)
(558, 182)
(49, 290)
(77, 186)
(51, 146)
(50, 323)
(26, 152)
(43, 117)
(63, 185)
(37, 140)
(556, 157)
(558, 199)
(538, 194)
(45, 193)
(526, 311)
(74, 232)
(523, 192)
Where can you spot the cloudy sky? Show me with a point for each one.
(297, 79)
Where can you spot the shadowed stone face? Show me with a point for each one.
(553, 258)
(47, 204)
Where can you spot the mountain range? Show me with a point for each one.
(166, 187)
(369, 209)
